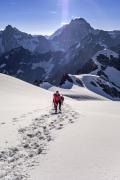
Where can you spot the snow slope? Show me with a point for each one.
(81, 143)
(19, 101)
(88, 149)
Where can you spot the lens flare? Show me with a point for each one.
(64, 11)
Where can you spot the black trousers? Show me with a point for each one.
(59, 104)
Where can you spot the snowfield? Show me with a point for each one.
(19, 103)
(80, 143)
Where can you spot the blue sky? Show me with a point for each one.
(45, 16)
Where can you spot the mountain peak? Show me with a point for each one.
(10, 28)
(81, 23)
(79, 20)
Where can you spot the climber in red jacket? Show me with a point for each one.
(57, 100)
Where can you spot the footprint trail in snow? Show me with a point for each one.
(15, 162)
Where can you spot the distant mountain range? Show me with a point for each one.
(77, 33)
(70, 50)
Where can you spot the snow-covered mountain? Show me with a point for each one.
(79, 32)
(71, 34)
(50, 66)
(68, 51)
(81, 142)
(106, 64)
(103, 75)
(11, 38)
(28, 66)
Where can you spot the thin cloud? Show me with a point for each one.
(53, 12)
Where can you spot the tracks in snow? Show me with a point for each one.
(15, 162)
